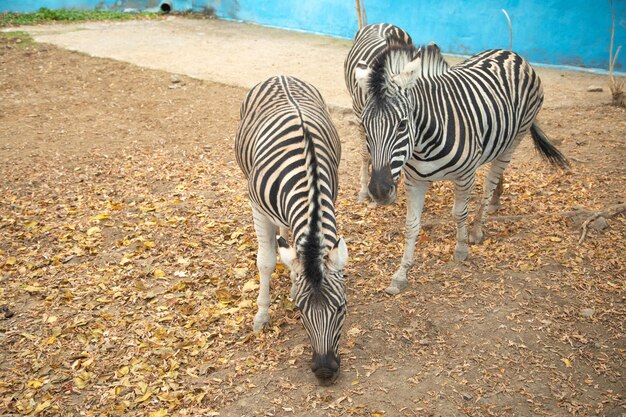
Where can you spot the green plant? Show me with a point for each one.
(20, 38)
(45, 15)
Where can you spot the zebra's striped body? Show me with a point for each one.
(443, 126)
(289, 151)
(369, 43)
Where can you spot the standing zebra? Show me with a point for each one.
(443, 126)
(289, 151)
(369, 43)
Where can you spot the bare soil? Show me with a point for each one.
(127, 264)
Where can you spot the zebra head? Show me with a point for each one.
(390, 131)
(320, 297)
(389, 114)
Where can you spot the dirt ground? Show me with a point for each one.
(127, 264)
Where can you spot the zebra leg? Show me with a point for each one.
(284, 233)
(364, 193)
(462, 193)
(494, 204)
(416, 193)
(266, 262)
(491, 182)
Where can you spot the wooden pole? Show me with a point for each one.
(364, 17)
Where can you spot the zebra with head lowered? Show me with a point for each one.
(443, 126)
(369, 43)
(289, 151)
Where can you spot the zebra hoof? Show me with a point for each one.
(460, 254)
(363, 197)
(476, 237)
(396, 287)
(261, 322)
(492, 208)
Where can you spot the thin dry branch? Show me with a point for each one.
(508, 19)
(607, 214)
(616, 85)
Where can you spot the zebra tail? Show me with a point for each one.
(547, 149)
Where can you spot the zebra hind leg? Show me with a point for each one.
(416, 195)
(462, 193)
(494, 204)
(266, 262)
(364, 193)
(492, 182)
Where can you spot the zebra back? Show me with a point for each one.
(463, 117)
(285, 141)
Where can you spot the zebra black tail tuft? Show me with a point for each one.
(547, 149)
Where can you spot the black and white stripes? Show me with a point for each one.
(436, 124)
(289, 151)
(370, 43)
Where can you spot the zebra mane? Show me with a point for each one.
(399, 63)
(312, 243)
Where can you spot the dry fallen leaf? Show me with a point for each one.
(93, 231)
(250, 285)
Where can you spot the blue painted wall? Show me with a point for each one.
(562, 32)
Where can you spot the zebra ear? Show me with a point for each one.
(286, 252)
(433, 48)
(362, 74)
(338, 256)
(411, 71)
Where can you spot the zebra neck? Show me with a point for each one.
(326, 237)
(314, 237)
(431, 114)
(311, 251)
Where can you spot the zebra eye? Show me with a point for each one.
(403, 126)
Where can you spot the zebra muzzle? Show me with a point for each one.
(326, 368)
(382, 187)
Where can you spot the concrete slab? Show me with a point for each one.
(227, 52)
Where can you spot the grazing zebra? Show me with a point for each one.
(289, 151)
(369, 43)
(443, 126)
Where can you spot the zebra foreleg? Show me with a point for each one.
(266, 262)
(490, 184)
(364, 193)
(416, 193)
(284, 233)
(462, 193)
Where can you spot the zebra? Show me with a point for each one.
(443, 126)
(289, 151)
(369, 43)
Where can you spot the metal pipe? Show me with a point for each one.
(166, 6)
